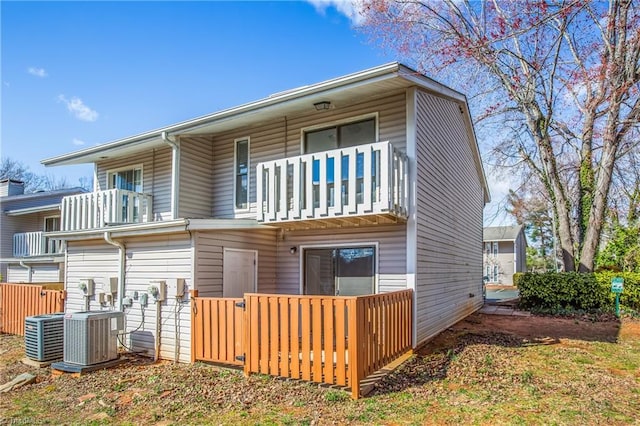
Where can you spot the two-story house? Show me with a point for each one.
(505, 253)
(27, 253)
(367, 183)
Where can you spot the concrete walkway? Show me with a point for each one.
(490, 309)
(501, 300)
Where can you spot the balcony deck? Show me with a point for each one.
(100, 209)
(301, 191)
(30, 244)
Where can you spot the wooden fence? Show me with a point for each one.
(331, 340)
(18, 301)
(217, 331)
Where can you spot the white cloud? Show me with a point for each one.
(79, 109)
(77, 142)
(38, 72)
(349, 8)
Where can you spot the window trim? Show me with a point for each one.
(374, 244)
(44, 222)
(235, 167)
(120, 169)
(349, 120)
(496, 249)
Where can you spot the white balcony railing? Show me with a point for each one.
(27, 244)
(354, 181)
(100, 209)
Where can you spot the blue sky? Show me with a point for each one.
(77, 74)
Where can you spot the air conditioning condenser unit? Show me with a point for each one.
(44, 337)
(92, 337)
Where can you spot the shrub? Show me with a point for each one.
(630, 297)
(566, 291)
(517, 277)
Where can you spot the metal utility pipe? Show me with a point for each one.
(158, 326)
(28, 268)
(121, 270)
(175, 170)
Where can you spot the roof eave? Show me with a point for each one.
(79, 157)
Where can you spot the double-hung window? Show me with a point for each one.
(241, 174)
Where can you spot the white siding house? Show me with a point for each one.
(504, 254)
(28, 253)
(367, 183)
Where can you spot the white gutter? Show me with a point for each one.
(28, 268)
(121, 270)
(175, 170)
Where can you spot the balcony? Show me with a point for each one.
(364, 184)
(29, 244)
(101, 209)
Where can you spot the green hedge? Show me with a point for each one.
(556, 291)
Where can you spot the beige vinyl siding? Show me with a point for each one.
(93, 259)
(147, 259)
(209, 247)
(11, 225)
(267, 142)
(159, 258)
(40, 273)
(156, 177)
(449, 218)
(391, 255)
(196, 178)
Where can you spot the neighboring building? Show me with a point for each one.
(27, 253)
(367, 183)
(505, 253)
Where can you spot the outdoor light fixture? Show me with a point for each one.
(322, 105)
(293, 250)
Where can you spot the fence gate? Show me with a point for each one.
(217, 330)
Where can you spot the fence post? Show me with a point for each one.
(354, 347)
(194, 294)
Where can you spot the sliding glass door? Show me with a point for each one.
(345, 271)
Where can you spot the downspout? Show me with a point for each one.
(121, 259)
(28, 268)
(175, 170)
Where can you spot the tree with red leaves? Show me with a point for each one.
(559, 79)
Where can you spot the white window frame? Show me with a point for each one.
(120, 169)
(374, 244)
(495, 249)
(44, 222)
(235, 168)
(342, 121)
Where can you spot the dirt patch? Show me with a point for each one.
(483, 370)
(543, 329)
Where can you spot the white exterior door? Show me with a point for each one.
(239, 272)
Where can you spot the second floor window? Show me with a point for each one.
(495, 248)
(340, 136)
(127, 179)
(241, 172)
(51, 223)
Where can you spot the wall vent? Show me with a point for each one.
(44, 336)
(92, 337)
